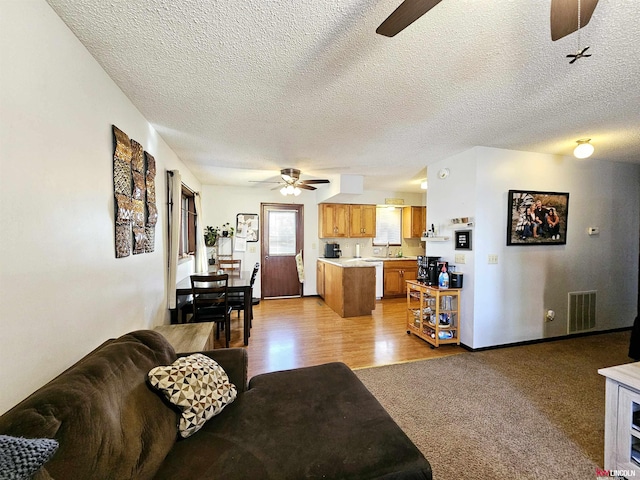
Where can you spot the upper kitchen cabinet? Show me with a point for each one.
(414, 221)
(362, 221)
(344, 220)
(333, 220)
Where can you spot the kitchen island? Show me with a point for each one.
(348, 286)
(345, 283)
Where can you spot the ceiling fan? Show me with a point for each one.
(563, 16)
(291, 183)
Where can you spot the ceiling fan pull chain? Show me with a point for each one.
(579, 32)
(580, 53)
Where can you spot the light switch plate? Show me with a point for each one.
(460, 258)
(492, 259)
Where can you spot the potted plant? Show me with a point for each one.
(211, 235)
(227, 230)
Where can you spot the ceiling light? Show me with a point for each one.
(290, 190)
(584, 148)
(423, 185)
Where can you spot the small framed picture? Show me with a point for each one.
(463, 239)
(247, 226)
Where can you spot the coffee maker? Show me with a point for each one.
(332, 250)
(428, 270)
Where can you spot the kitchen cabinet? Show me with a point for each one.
(338, 220)
(320, 279)
(362, 221)
(396, 274)
(333, 219)
(433, 314)
(414, 221)
(349, 289)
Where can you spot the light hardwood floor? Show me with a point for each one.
(297, 332)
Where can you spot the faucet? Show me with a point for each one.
(388, 250)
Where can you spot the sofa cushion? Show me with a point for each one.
(315, 422)
(22, 457)
(198, 386)
(108, 422)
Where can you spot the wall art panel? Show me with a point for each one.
(151, 217)
(136, 215)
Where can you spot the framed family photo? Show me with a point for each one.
(537, 218)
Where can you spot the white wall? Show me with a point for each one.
(455, 197)
(505, 303)
(62, 291)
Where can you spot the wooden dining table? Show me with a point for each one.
(236, 283)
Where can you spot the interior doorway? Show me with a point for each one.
(282, 238)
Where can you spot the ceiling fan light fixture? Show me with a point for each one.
(296, 191)
(584, 148)
(283, 191)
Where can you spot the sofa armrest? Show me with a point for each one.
(234, 361)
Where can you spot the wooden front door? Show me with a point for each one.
(282, 238)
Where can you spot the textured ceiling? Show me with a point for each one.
(242, 89)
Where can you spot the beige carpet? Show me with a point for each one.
(530, 412)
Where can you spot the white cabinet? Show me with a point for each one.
(622, 419)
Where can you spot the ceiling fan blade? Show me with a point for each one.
(564, 16)
(403, 16)
(310, 182)
(305, 187)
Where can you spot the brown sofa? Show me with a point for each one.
(315, 422)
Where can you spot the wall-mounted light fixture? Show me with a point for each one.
(290, 190)
(423, 185)
(584, 148)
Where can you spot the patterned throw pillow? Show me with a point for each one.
(20, 457)
(198, 386)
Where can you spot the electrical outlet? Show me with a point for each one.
(492, 259)
(460, 258)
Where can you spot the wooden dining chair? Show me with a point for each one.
(232, 266)
(211, 302)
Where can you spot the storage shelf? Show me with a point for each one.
(424, 313)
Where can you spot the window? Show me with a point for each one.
(282, 232)
(187, 223)
(388, 226)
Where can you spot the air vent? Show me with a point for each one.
(582, 311)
